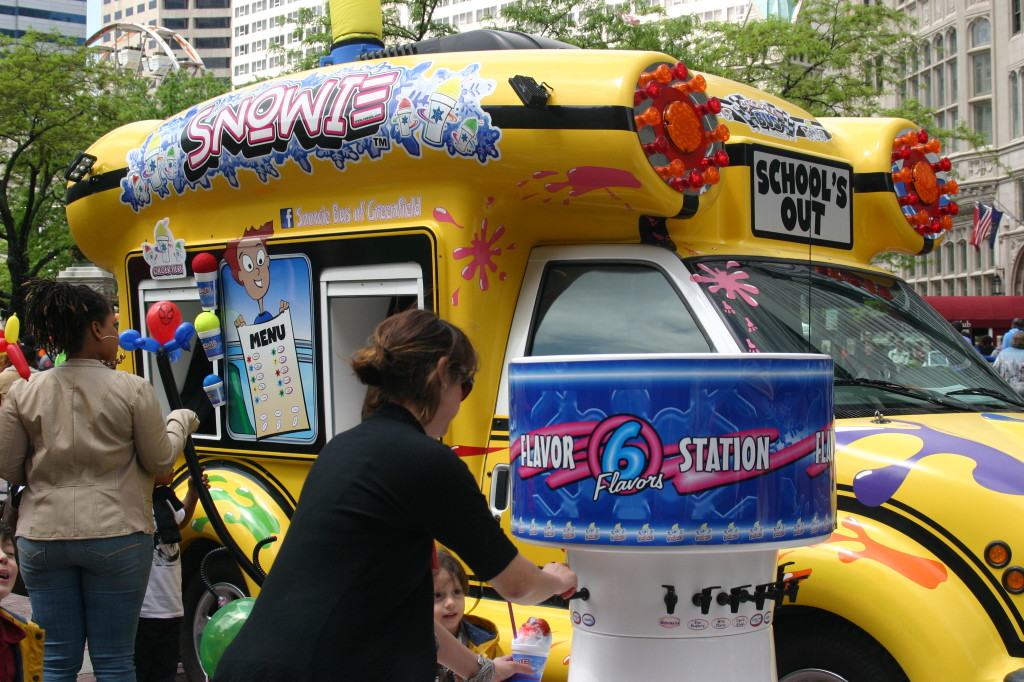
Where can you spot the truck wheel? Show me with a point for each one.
(200, 605)
(821, 647)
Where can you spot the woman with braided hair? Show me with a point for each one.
(86, 442)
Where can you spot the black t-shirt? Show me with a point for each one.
(350, 595)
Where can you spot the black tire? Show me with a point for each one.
(816, 646)
(200, 605)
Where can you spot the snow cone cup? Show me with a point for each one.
(213, 343)
(206, 283)
(204, 267)
(534, 654)
(214, 387)
(208, 329)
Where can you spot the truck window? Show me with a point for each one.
(592, 308)
(353, 301)
(877, 330)
(192, 367)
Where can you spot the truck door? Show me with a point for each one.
(600, 300)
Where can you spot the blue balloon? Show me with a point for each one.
(171, 346)
(174, 355)
(150, 345)
(184, 333)
(127, 339)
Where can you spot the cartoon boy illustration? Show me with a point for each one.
(250, 266)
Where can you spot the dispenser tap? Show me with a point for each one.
(583, 594)
(703, 598)
(767, 591)
(671, 598)
(793, 585)
(735, 597)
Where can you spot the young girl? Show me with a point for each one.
(21, 642)
(479, 634)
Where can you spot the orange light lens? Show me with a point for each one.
(925, 183)
(997, 554)
(683, 127)
(1013, 580)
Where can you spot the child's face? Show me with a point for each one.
(449, 601)
(8, 568)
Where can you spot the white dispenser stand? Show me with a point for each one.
(687, 474)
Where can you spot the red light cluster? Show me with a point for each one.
(678, 127)
(924, 193)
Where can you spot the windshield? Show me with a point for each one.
(893, 353)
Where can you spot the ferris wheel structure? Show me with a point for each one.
(147, 51)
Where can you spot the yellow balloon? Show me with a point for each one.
(12, 329)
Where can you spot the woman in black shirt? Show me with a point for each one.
(350, 596)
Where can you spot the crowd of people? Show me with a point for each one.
(91, 454)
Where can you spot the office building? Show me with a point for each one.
(20, 16)
(970, 67)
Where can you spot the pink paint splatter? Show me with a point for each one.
(487, 204)
(537, 175)
(729, 282)
(455, 296)
(729, 310)
(589, 178)
(482, 252)
(751, 327)
(752, 347)
(442, 215)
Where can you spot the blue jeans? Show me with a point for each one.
(87, 590)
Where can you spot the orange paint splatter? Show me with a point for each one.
(927, 573)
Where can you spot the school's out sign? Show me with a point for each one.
(803, 199)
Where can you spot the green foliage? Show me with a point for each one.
(630, 25)
(180, 90)
(312, 33)
(836, 58)
(57, 101)
(419, 25)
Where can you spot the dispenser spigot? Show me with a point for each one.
(767, 591)
(703, 598)
(671, 598)
(734, 597)
(583, 594)
(793, 586)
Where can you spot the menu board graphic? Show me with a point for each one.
(272, 369)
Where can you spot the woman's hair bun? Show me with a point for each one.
(372, 365)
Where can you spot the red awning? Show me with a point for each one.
(981, 311)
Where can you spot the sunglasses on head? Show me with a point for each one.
(466, 382)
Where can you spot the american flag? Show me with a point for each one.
(982, 225)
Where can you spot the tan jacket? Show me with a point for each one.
(7, 379)
(98, 439)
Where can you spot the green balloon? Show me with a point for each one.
(221, 631)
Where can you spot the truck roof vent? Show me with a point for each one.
(484, 39)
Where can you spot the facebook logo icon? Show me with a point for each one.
(286, 219)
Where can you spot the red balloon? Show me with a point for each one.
(18, 360)
(162, 320)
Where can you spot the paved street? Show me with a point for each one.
(20, 605)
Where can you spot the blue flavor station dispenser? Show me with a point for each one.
(672, 481)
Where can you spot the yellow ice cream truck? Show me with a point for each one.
(550, 201)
